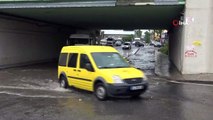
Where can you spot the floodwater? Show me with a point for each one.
(33, 93)
(141, 57)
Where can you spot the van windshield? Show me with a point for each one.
(109, 60)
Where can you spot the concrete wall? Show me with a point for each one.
(23, 41)
(176, 41)
(210, 37)
(182, 39)
(199, 30)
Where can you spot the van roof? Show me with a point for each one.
(89, 49)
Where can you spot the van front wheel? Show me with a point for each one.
(100, 91)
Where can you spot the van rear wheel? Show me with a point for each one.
(63, 82)
(100, 91)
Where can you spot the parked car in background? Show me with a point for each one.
(126, 45)
(110, 41)
(133, 43)
(103, 42)
(79, 39)
(151, 43)
(136, 40)
(157, 44)
(139, 44)
(118, 43)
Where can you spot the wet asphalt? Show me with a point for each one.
(33, 93)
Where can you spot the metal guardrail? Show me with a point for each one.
(17, 1)
(58, 4)
(127, 1)
(82, 3)
(150, 2)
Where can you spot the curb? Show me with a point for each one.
(165, 78)
(196, 81)
(179, 79)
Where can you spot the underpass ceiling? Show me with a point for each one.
(111, 17)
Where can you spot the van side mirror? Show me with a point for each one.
(89, 67)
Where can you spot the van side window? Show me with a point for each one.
(73, 60)
(62, 59)
(84, 60)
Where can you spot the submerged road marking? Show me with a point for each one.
(187, 83)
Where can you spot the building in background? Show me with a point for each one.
(115, 34)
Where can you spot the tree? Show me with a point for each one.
(157, 34)
(138, 33)
(127, 38)
(147, 37)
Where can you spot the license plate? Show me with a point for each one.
(136, 87)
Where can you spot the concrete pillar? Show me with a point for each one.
(197, 43)
(210, 40)
(191, 42)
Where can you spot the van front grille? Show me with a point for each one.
(133, 80)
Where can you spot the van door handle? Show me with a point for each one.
(74, 70)
(79, 70)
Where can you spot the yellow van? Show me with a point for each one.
(100, 69)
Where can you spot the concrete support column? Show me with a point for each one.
(210, 39)
(191, 42)
(197, 43)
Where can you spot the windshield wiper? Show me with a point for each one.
(105, 67)
(115, 67)
(121, 66)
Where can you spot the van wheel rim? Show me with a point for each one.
(101, 92)
(62, 83)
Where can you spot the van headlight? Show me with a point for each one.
(117, 79)
(145, 78)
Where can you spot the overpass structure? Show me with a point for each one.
(35, 30)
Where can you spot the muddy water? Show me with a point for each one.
(32, 81)
(41, 80)
(142, 58)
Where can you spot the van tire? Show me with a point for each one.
(63, 82)
(101, 91)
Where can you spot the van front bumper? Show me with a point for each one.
(126, 89)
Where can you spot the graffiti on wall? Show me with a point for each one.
(190, 51)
